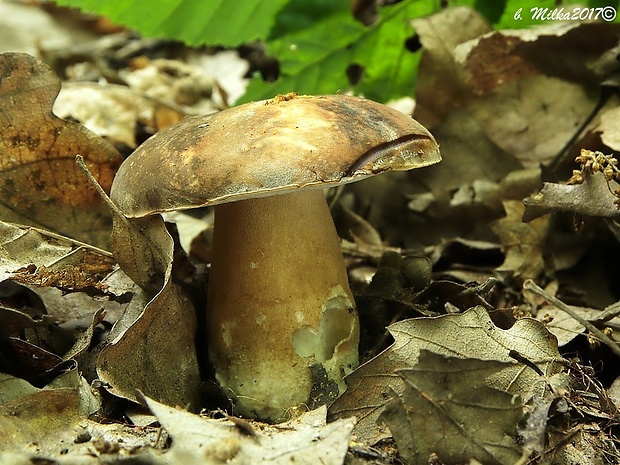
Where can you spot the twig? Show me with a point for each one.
(530, 285)
(609, 313)
(79, 160)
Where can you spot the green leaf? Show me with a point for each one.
(212, 22)
(315, 59)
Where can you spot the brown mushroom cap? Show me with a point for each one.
(269, 147)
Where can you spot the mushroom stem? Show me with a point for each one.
(282, 326)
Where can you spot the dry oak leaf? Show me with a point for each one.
(40, 184)
(523, 243)
(468, 335)
(448, 409)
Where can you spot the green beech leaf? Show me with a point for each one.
(315, 59)
(212, 22)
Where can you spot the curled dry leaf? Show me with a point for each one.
(307, 440)
(40, 183)
(468, 335)
(155, 354)
(151, 348)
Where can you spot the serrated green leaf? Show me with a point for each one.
(315, 60)
(491, 9)
(208, 22)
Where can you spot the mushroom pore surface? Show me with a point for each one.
(282, 326)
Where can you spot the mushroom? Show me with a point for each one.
(282, 326)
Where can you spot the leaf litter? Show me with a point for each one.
(439, 259)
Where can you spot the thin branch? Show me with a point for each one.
(530, 285)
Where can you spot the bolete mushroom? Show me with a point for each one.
(282, 325)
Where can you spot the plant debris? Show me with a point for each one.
(486, 285)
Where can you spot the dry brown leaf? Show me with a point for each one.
(52, 425)
(533, 117)
(448, 409)
(307, 440)
(523, 243)
(525, 88)
(562, 49)
(468, 335)
(151, 348)
(63, 274)
(23, 246)
(15, 321)
(40, 184)
(114, 111)
(155, 354)
(531, 80)
(609, 127)
(563, 326)
(441, 85)
(468, 154)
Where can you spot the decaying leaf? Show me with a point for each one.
(155, 354)
(609, 127)
(523, 243)
(441, 82)
(152, 347)
(143, 353)
(468, 335)
(114, 111)
(52, 424)
(516, 84)
(492, 98)
(307, 440)
(448, 408)
(40, 183)
(22, 246)
(48, 283)
(526, 84)
(469, 154)
(566, 328)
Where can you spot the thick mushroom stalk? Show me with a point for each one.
(282, 325)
